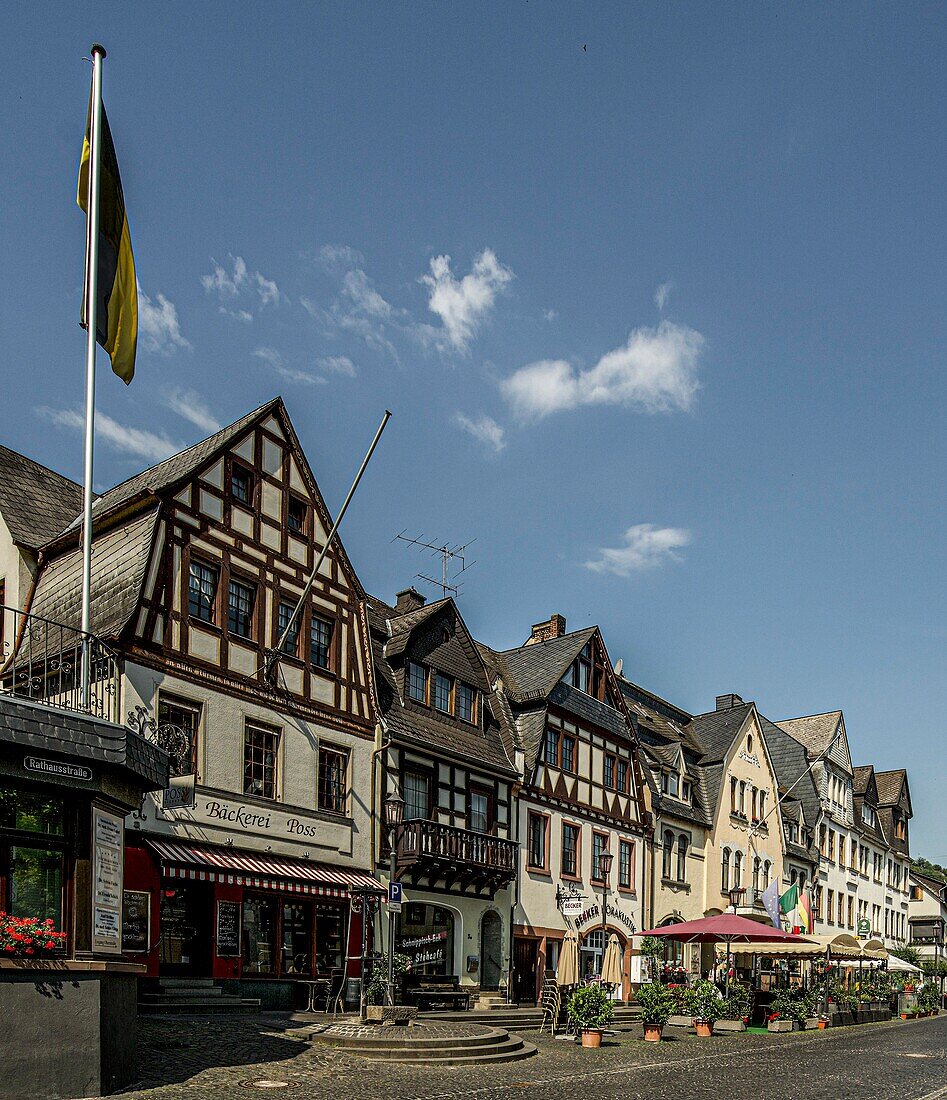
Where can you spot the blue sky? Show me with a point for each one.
(681, 375)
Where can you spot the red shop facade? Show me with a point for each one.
(259, 925)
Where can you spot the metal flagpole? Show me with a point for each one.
(91, 298)
(335, 526)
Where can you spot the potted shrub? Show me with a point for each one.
(784, 1011)
(657, 1006)
(590, 1011)
(736, 1008)
(705, 1006)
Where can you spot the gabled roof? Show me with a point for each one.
(890, 785)
(175, 469)
(861, 778)
(717, 729)
(530, 672)
(815, 731)
(491, 744)
(791, 764)
(36, 502)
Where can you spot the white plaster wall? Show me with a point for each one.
(319, 836)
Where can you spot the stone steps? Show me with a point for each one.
(193, 997)
(490, 1047)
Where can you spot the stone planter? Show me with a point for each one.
(592, 1038)
(69, 1027)
(729, 1025)
(811, 1024)
(780, 1025)
(653, 1032)
(679, 1021)
(703, 1028)
(390, 1015)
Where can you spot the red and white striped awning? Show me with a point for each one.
(210, 863)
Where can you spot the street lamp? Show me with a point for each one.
(394, 816)
(605, 869)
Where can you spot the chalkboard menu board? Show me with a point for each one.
(136, 921)
(228, 929)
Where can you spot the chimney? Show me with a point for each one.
(409, 599)
(728, 702)
(553, 627)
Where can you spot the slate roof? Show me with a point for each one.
(815, 731)
(81, 738)
(36, 503)
(889, 786)
(119, 560)
(861, 777)
(176, 468)
(791, 763)
(487, 745)
(716, 730)
(532, 671)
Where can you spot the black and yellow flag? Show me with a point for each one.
(116, 317)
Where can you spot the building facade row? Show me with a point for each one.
(543, 791)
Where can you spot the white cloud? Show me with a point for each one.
(274, 361)
(484, 429)
(192, 407)
(550, 314)
(462, 305)
(662, 294)
(158, 328)
(133, 441)
(338, 364)
(655, 370)
(646, 547)
(243, 284)
(338, 258)
(357, 288)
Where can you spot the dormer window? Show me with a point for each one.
(443, 692)
(466, 698)
(241, 483)
(670, 784)
(417, 682)
(686, 790)
(580, 675)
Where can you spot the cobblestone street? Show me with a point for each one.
(216, 1058)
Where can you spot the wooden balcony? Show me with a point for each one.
(429, 852)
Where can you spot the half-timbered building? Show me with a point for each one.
(583, 795)
(242, 871)
(448, 752)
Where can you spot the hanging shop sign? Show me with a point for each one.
(181, 794)
(864, 928)
(108, 841)
(571, 907)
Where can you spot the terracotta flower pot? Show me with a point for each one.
(652, 1032)
(591, 1037)
(703, 1029)
(822, 1024)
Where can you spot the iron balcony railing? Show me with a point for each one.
(421, 840)
(41, 660)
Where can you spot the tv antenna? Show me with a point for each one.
(448, 554)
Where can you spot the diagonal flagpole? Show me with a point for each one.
(91, 299)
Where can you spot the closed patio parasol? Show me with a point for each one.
(611, 962)
(567, 972)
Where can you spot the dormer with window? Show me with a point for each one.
(445, 694)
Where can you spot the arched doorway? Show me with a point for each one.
(591, 951)
(491, 951)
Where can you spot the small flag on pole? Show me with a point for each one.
(789, 904)
(805, 911)
(770, 900)
(116, 315)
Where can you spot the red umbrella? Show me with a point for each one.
(724, 928)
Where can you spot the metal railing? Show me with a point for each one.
(432, 840)
(41, 660)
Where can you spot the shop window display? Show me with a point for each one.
(259, 935)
